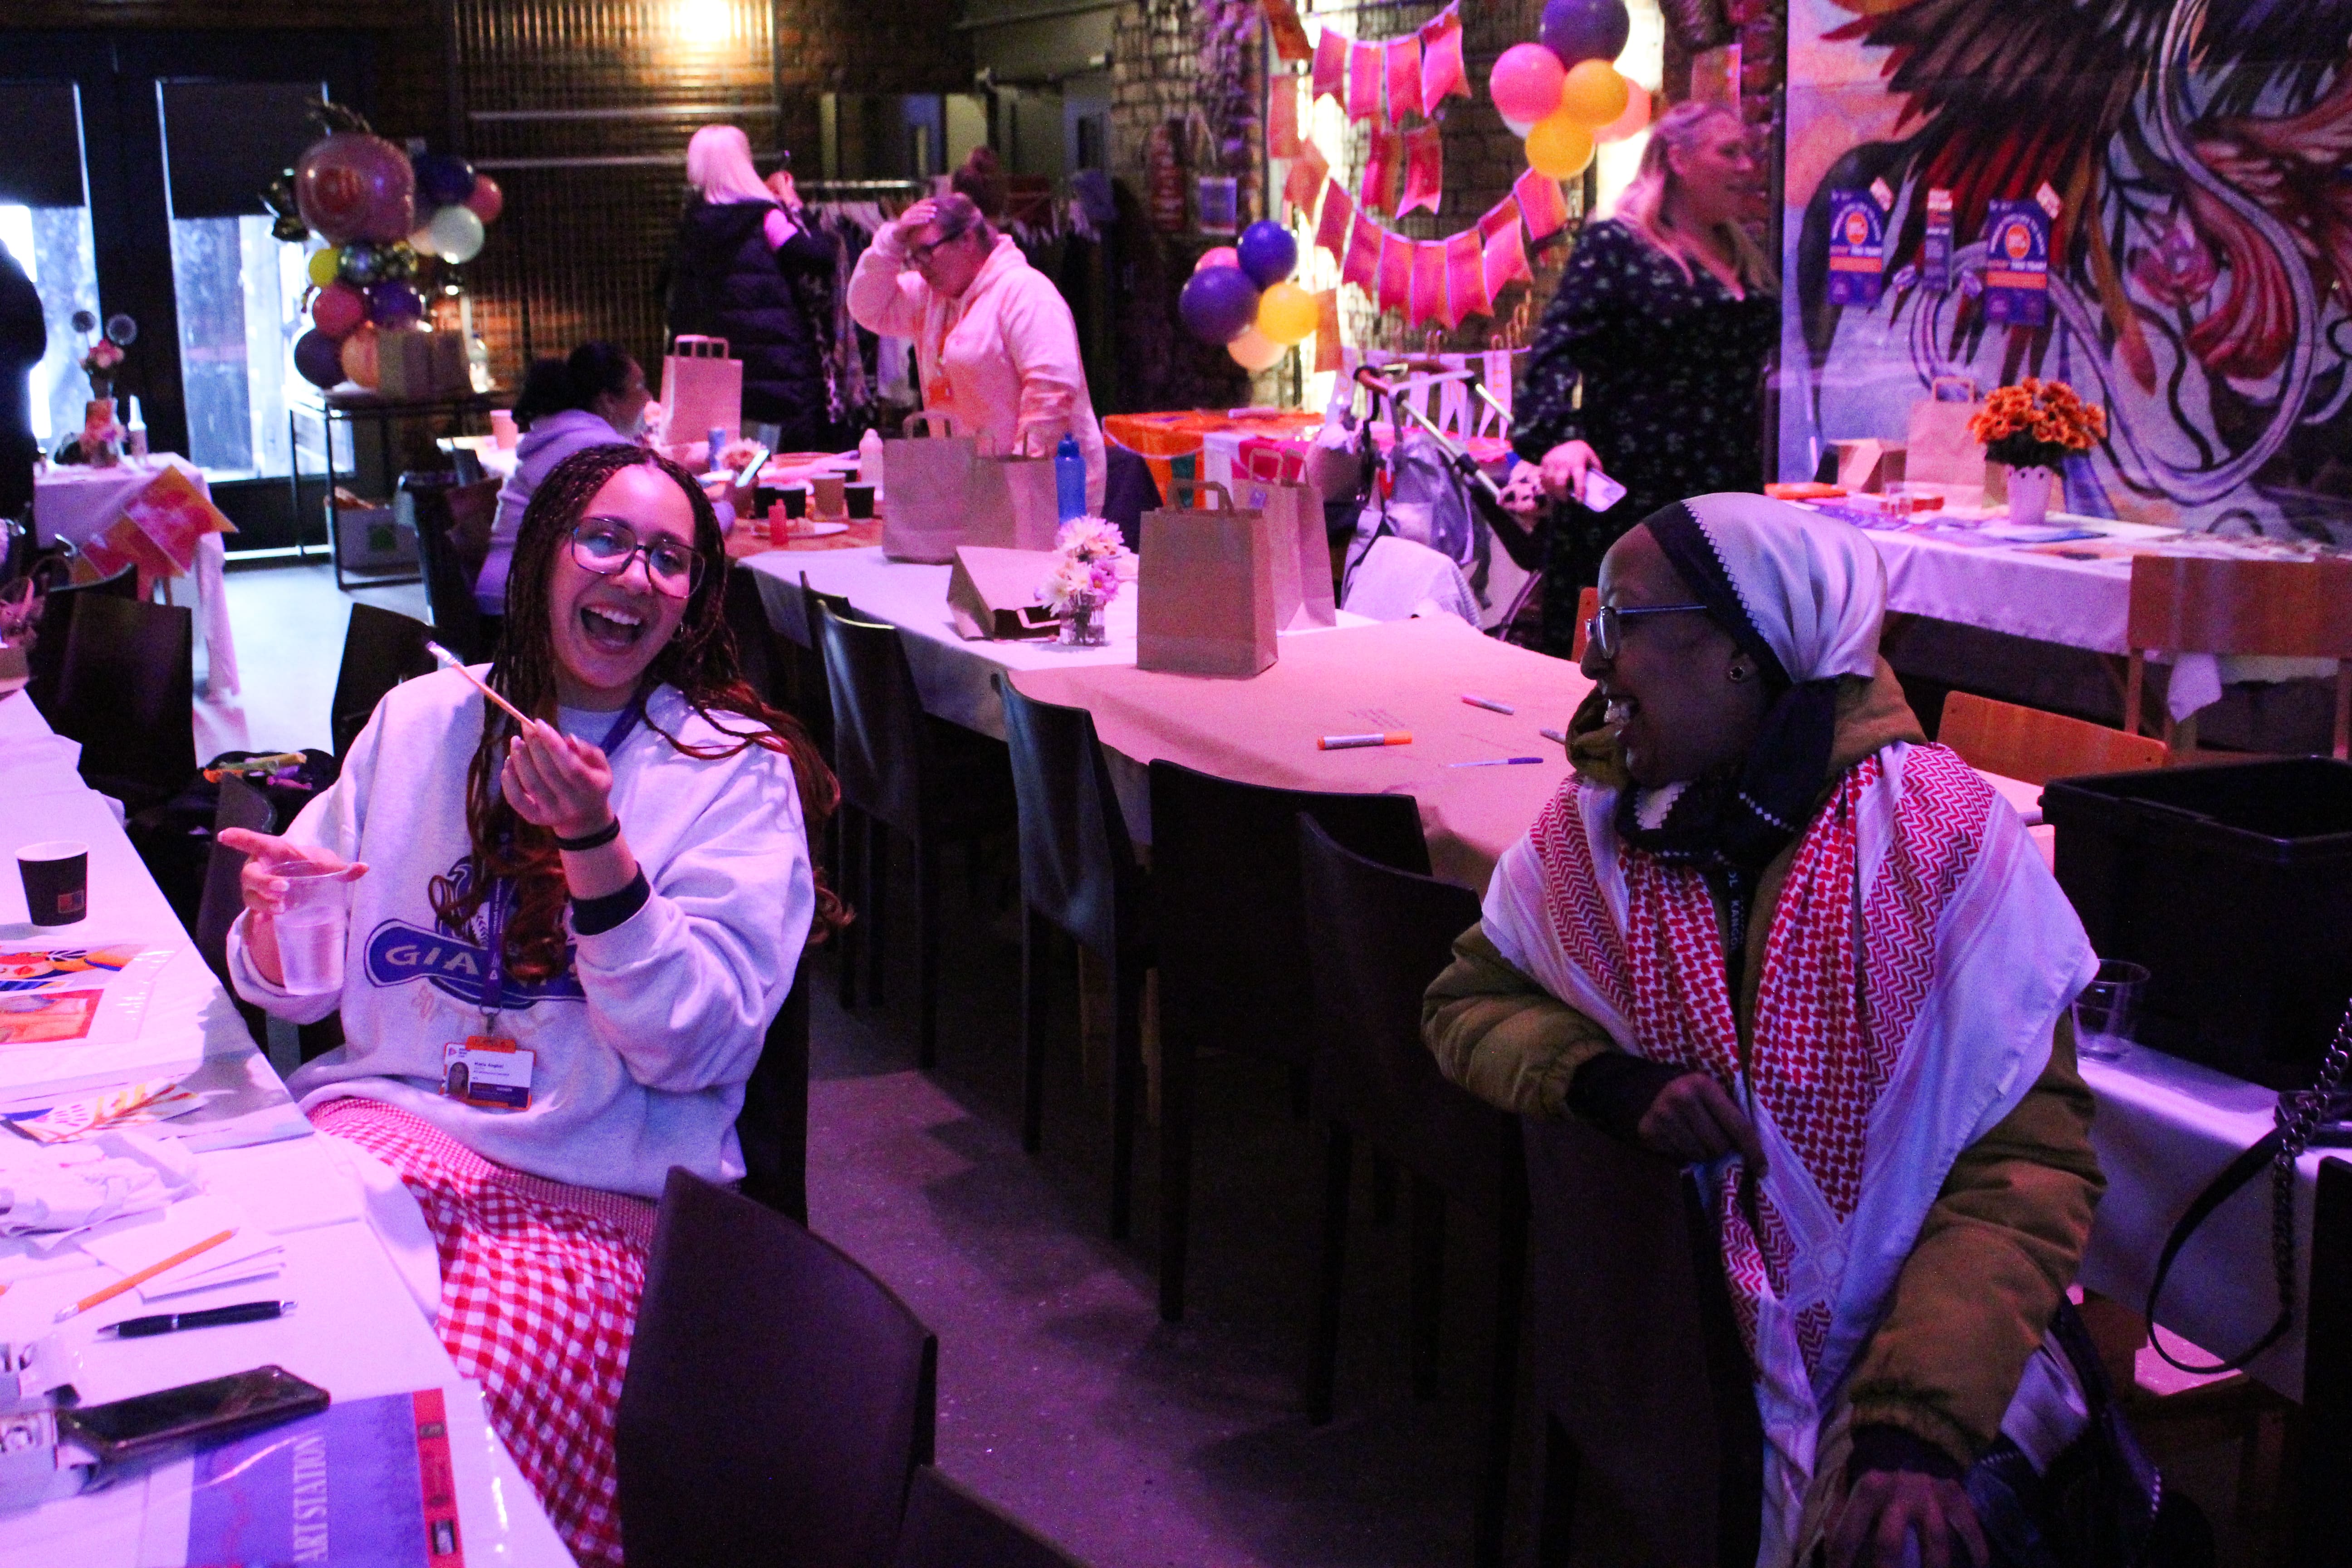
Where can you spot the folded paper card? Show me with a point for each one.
(993, 594)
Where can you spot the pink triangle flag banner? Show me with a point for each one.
(1363, 81)
(1338, 220)
(1465, 278)
(1541, 206)
(1441, 76)
(1289, 33)
(1361, 266)
(1503, 215)
(1326, 331)
(1384, 154)
(1404, 71)
(1282, 118)
(1309, 172)
(1427, 294)
(1424, 169)
(1506, 261)
(1396, 271)
(1330, 63)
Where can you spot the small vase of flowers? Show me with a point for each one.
(101, 436)
(1090, 561)
(2030, 429)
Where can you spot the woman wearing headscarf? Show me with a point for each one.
(749, 269)
(1767, 930)
(995, 341)
(1649, 363)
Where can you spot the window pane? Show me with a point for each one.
(53, 245)
(238, 292)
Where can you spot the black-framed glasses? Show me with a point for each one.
(1605, 632)
(606, 545)
(920, 255)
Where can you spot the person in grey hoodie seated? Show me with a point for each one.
(596, 397)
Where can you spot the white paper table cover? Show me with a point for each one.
(79, 503)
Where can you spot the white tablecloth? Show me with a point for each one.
(357, 1331)
(80, 503)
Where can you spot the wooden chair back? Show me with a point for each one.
(2034, 746)
(2279, 609)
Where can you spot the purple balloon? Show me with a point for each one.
(1267, 252)
(1218, 305)
(443, 179)
(320, 358)
(394, 304)
(1579, 30)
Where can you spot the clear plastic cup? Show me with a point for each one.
(311, 932)
(2108, 1010)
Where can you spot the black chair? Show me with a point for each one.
(1229, 913)
(772, 1126)
(948, 1527)
(45, 662)
(448, 517)
(761, 652)
(903, 771)
(128, 693)
(778, 1397)
(1129, 491)
(1376, 938)
(381, 649)
(1079, 874)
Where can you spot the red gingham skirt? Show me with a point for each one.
(539, 1284)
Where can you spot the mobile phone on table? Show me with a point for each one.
(193, 1415)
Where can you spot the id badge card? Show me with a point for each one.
(488, 1073)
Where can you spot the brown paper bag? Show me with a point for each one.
(1204, 599)
(702, 389)
(1940, 450)
(929, 491)
(1301, 553)
(993, 594)
(1013, 504)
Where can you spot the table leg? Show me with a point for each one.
(2323, 1509)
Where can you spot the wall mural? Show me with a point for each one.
(2185, 167)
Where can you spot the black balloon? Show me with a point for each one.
(290, 229)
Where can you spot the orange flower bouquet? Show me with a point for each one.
(2037, 425)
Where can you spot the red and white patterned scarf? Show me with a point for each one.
(1912, 974)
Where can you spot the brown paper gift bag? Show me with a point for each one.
(929, 491)
(1940, 450)
(1300, 550)
(1204, 598)
(993, 594)
(702, 389)
(1013, 504)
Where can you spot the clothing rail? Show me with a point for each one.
(672, 111)
(860, 187)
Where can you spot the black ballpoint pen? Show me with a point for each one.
(211, 1317)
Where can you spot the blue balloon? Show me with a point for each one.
(1267, 252)
(443, 179)
(1218, 305)
(1579, 30)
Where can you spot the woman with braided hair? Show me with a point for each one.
(594, 915)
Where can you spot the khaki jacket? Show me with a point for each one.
(2002, 1243)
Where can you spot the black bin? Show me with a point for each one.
(2233, 884)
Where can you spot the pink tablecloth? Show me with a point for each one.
(1399, 675)
(79, 503)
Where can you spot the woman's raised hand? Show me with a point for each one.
(780, 185)
(1564, 468)
(263, 888)
(1872, 1526)
(557, 782)
(916, 216)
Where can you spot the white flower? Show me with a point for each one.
(1066, 578)
(1090, 539)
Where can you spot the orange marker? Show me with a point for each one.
(1348, 743)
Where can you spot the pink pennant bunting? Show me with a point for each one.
(1441, 75)
(1465, 278)
(1542, 206)
(1338, 220)
(1503, 215)
(1424, 169)
(1403, 57)
(1396, 271)
(1289, 33)
(1307, 173)
(1384, 154)
(1330, 63)
(1361, 266)
(1282, 118)
(1506, 261)
(1363, 81)
(1326, 328)
(1428, 289)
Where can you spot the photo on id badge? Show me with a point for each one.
(487, 1073)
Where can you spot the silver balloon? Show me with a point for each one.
(121, 331)
(455, 234)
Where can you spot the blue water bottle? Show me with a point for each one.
(1069, 478)
(718, 444)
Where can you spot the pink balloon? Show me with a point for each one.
(1222, 256)
(339, 310)
(1526, 82)
(350, 187)
(488, 201)
(1635, 119)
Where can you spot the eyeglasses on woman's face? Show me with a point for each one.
(921, 255)
(606, 545)
(1605, 632)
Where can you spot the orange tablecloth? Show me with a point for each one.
(744, 541)
(1159, 438)
(1400, 674)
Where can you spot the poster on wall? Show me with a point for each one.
(2196, 278)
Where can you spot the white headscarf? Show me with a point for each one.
(1814, 588)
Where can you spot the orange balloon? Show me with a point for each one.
(1255, 352)
(1633, 121)
(1594, 94)
(1558, 148)
(359, 356)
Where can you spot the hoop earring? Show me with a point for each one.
(1737, 674)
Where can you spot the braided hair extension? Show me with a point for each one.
(700, 660)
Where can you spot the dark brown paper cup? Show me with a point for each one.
(796, 498)
(860, 498)
(57, 881)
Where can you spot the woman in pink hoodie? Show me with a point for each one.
(994, 342)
